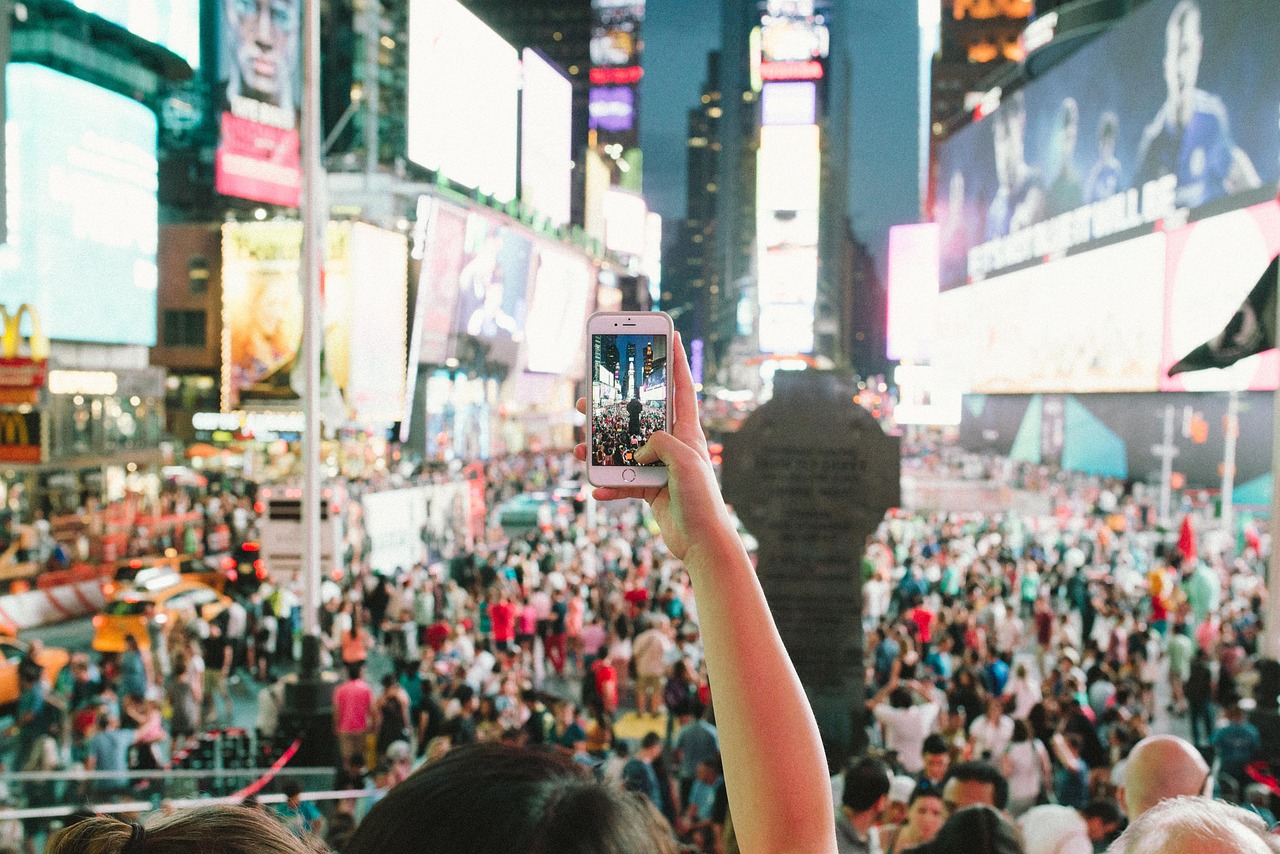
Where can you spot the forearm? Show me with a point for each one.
(774, 764)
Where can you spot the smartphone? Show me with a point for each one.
(630, 396)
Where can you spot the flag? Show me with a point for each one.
(1252, 329)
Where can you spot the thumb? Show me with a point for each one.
(662, 447)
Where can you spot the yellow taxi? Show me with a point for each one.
(125, 614)
(12, 651)
(142, 572)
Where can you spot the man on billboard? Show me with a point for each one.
(1064, 192)
(260, 47)
(1190, 136)
(1103, 180)
(1020, 199)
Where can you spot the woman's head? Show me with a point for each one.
(976, 829)
(203, 830)
(1021, 731)
(495, 799)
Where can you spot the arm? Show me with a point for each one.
(774, 764)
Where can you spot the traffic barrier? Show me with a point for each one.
(47, 605)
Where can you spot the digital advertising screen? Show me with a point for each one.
(375, 384)
(616, 39)
(913, 291)
(787, 203)
(1212, 266)
(464, 83)
(439, 240)
(260, 67)
(82, 209)
(493, 286)
(628, 395)
(172, 24)
(612, 108)
(790, 103)
(1091, 322)
(546, 138)
(625, 220)
(794, 31)
(1170, 116)
(557, 319)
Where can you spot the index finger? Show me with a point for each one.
(687, 427)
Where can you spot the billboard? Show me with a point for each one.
(625, 221)
(616, 39)
(789, 103)
(1085, 153)
(461, 123)
(174, 24)
(258, 155)
(1088, 323)
(913, 292)
(557, 322)
(546, 138)
(1212, 265)
(787, 194)
(375, 369)
(439, 236)
(612, 108)
(261, 310)
(82, 211)
(493, 286)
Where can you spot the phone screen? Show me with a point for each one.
(628, 395)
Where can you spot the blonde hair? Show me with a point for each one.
(202, 830)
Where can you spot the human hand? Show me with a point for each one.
(690, 504)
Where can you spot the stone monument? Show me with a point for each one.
(811, 475)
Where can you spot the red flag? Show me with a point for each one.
(1187, 540)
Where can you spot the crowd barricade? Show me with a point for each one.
(51, 604)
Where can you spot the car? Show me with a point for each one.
(12, 651)
(531, 510)
(151, 573)
(125, 614)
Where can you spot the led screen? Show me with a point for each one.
(628, 395)
(1172, 110)
(83, 226)
(174, 24)
(616, 40)
(556, 324)
(625, 221)
(464, 85)
(258, 154)
(546, 138)
(787, 196)
(493, 286)
(791, 103)
(438, 242)
(1088, 323)
(913, 291)
(612, 108)
(1212, 266)
(376, 367)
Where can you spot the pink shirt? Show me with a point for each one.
(353, 701)
(528, 619)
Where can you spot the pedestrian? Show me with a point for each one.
(353, 713)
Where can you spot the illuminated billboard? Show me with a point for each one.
(1169, 116)
(174, 24)
(789, 103)
(557, 320)
(461, 123)
(261, 310)
(1212, 266)
(625, 221)
(913, 291)
(83, 216)
(375, 369)
(612, 108)
(546, 138)
(258, 155)
(1092, 322)
(617, 48)
(616, 33)
(787, 196)
(493, 286)
(439, 236)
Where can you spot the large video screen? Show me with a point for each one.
(1088, 323)
(546, 138)
(376, 367)
(1171, 114)
(173, 24)
(260, 68)
(83, 216)
(787, 196)
(439, 236)
(464, 83)
(493, 286)
(557, 321)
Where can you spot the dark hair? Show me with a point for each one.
(866, 781)
(976, 829)
(900, 698)
(934, 744)
(496, 799)
(291, 788)
(981, 772)
(650, 740)
(353, 670)
(1021, 731)
(924, 790)
(1108, 812)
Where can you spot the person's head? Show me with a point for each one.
(900, 789)
(262, 38)
(650, 747)
(291, 789)
(1234, 713)
(936, 757)
(900, 698)
(866, 785)
(1067, 129)
(977, 829)
(355, 671)
(236, 829)
(1009, 123)
(995, 708)
(131, 642)
(505, 800)
(389, 682)
(925, 813)
(1102, 817)
(1183, 47)
(710, 769)
(1196, 825)
(1162, 767)
(970, 783)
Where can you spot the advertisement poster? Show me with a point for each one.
(493, 287)
(258, 155)
(557, 321)
(1084, 154)
(442, 232)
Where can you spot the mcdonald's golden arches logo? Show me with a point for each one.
(19, 436)
(11, 334)
(21, 376)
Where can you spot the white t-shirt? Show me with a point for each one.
(991, 738)
(1053, 829)
(905, 731)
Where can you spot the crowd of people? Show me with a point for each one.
(622, 427)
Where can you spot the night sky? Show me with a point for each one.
(883, 131)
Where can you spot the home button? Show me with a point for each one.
(628, 475)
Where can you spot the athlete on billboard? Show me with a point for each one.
(1064, 192)
(1020, 199)
(1103, 180)
(1190, 136)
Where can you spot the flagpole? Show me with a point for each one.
(1271, 619)
(1232, 429)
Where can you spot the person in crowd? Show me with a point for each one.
(1196, 825)
(907, 713)
(1025, 764)
(866, 794)
(353, 713)
(975, 829)
(1056, 829)
(1236, 743)
(934, 761)
(924, 818)
(1161, 767)
(974, 782)
(301, 817)
(226, 829)
(649, 651)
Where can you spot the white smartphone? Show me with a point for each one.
(630, 397)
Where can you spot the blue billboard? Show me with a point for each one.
(172, 24)
(83, 224)
(1169, 117)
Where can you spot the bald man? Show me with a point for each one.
(1162, 767)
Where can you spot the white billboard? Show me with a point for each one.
(913, 291)
(788, 176)
(546, 138)
(379, 302)
(626, 219)
(464, 85)
(556, 325)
